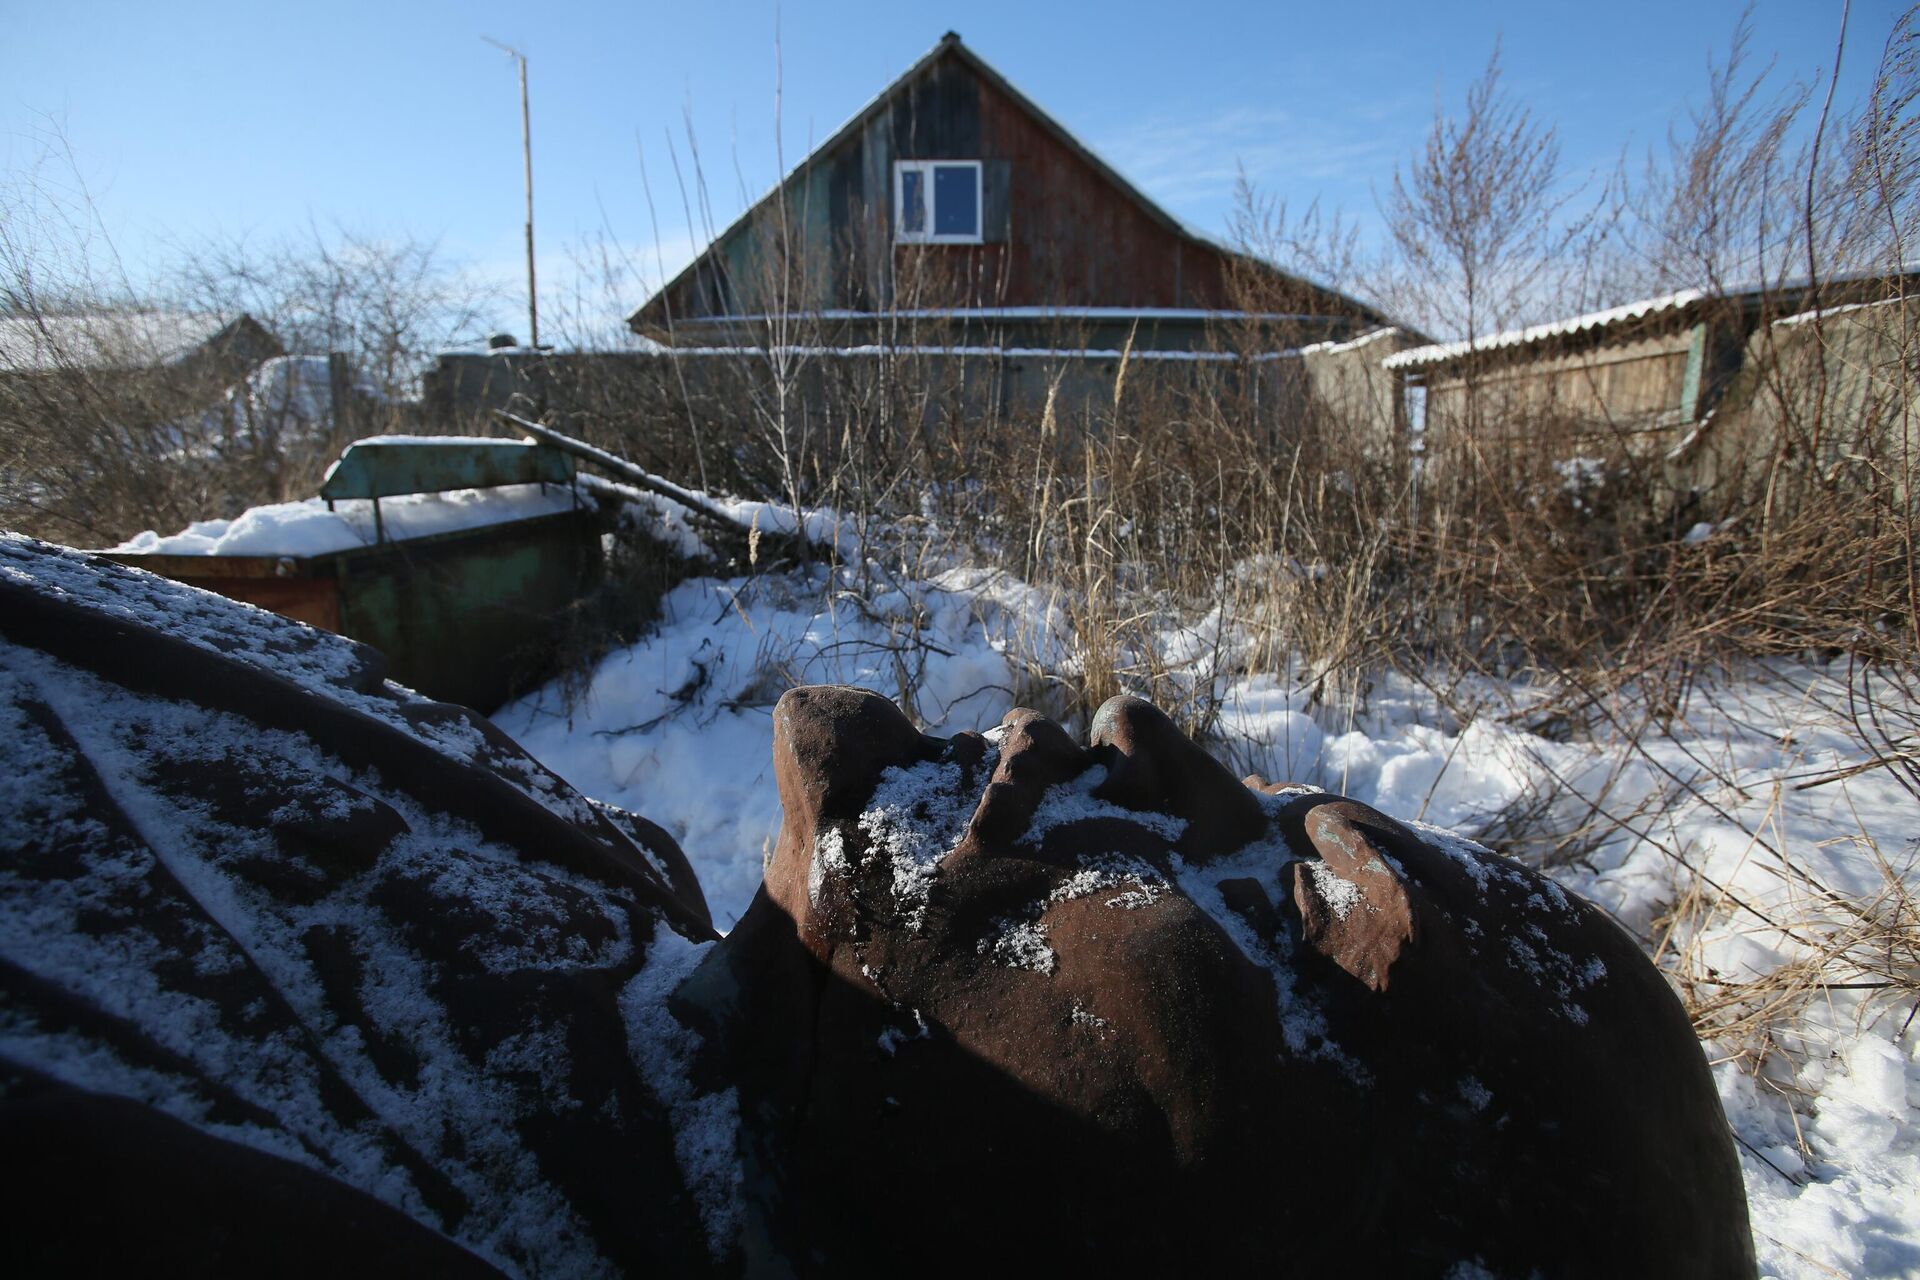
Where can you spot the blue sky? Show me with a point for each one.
(217, 119)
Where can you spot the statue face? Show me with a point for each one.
(1253, 1020)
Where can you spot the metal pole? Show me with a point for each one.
(526, 156)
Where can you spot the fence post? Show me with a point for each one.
(340, 394)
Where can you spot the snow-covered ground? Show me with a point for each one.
(1725, 835)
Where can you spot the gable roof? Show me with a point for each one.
(950, 45)
(104, 339)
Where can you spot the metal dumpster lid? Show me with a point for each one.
(386, 466)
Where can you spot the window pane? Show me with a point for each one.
(913, 202)
(956, 200)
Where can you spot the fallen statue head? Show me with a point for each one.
(301, 973)
(1011, 997)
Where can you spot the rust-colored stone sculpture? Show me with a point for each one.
(1010, 1001)
(302, 974)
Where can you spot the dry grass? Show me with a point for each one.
(1867, 946)
(1846, 956)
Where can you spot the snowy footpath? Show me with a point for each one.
(1734, 835)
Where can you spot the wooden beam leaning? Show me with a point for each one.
(697, 503)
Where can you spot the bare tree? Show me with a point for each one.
(125, 407)
(1316, 243)
(1878, 214)
(387, 302)
(1478, 217)
(1716, 211)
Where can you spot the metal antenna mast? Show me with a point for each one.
(526, 155)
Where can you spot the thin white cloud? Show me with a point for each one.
(1196, 159)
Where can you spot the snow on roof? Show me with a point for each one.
(1016, 313)
(1827, 313)
(102, 339)
(1441, 352)
(1003, 353)
(1349, 344)
(1759, 291)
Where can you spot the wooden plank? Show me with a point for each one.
(696, 503)
(314, 601)
(1696, 365)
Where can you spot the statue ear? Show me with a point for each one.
(1353, 901)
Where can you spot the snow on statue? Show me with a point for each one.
(305, 973)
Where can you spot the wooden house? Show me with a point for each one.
(134, 367)
(951, 204)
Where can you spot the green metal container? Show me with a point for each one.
(472, 616)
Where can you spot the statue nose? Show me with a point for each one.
(1035, 753)
(1153, 767)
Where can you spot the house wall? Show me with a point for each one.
(690, 414)
(1073, 238)
(1700, 414)
(1844, 390)
(664, 388)
(1356, 397)
(1625, 387)
(120, 374)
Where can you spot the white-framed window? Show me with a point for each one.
(937, 201)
